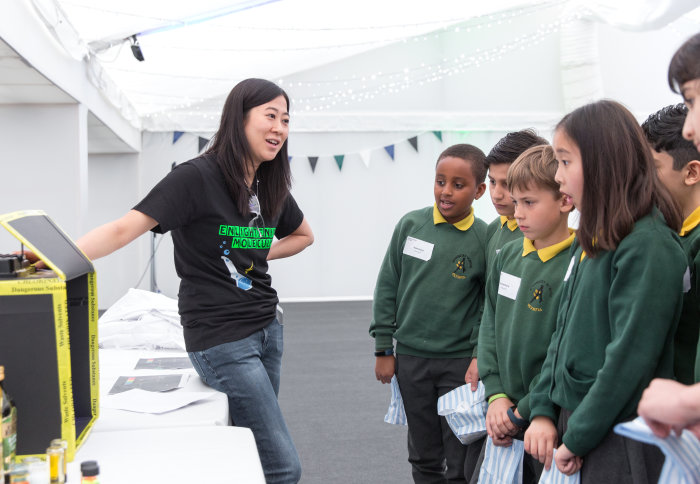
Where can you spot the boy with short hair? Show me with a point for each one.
(429, 298)
(678, 166)
(523, 289)
(505, 228)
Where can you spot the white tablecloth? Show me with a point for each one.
(176, 455)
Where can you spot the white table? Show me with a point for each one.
(116, 363)
(177, 455)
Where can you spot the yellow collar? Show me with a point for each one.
(691, 222)
(548, 252)
(462, 225)
(512, 223)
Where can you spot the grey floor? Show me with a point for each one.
(333, 405)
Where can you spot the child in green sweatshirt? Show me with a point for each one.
(678, 166)
(505, 228)
(666, 404)
(621, 300)
(523, 288)
(429, 298)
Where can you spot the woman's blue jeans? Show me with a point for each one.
(248, 371)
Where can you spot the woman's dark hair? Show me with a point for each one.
(685, 64)
(232, 151)
(620, 184)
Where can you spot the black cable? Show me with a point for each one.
(150, 261)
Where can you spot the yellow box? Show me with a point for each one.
(48, 338)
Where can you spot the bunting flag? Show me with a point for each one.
(339, 161)
(312, 161)
(390, 149)
(202, 143)
(364, 156)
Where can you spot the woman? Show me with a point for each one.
(223, 209)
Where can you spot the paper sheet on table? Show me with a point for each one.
(153, 383)
(143, 401)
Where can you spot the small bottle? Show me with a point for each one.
(90, 472)
(38, 470)
(8, 427)
(19, 473)
(56, 458)
(64, 445)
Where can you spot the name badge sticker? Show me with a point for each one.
(508, 285)
(417, 248)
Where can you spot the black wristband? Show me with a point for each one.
(518, 422)
(388, 352)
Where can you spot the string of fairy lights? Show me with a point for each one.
(372, 84)
(325, 94)
(173, 97)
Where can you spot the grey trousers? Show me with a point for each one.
(435, 453)
(617, 459)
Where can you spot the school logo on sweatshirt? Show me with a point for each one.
(539, 294)
(462, 262)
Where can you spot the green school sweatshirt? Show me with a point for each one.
(430, 289)
(523, 288)
(499, 233)
(686, 365)
(617, 319)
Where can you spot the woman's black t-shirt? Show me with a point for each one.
(225, 290)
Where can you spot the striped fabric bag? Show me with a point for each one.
(502, 465)
(682, 464)
(395, 415)
(465, 412)
(555, 476)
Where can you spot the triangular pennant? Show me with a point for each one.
(414, 142)
(339, 161)
(202, 143)
(364, 156)
(312, 161)
(438, 134)
(390, 149)
(176, 135)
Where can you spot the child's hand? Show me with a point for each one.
(472, 375)
(567, 462)
(498, 425)
(662, 409)
(506, 441)
(384, 368)
(540, 439)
